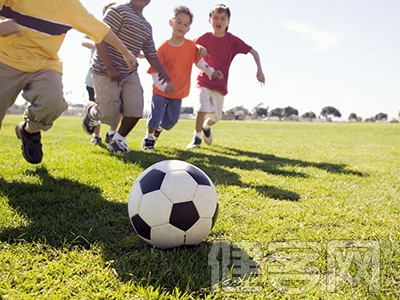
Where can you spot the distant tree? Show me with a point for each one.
(259, 111)
(330, 111)
(381, 117)
(309, 115)
(232, 111)
(289, 111)
(186, 110)
(372, 119)
(352, 117)
(276, 112)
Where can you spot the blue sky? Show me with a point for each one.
(314, 53)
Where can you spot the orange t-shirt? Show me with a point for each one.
(178, 62)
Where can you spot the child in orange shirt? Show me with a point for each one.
(177, 55)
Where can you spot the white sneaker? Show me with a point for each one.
(117, 146)
(195, 143)
(207, 136)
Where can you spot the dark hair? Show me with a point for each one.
(182, 10)
(107, 5)
(221, 8)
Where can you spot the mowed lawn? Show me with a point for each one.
(307, 211)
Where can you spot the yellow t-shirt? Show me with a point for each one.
(43, 25)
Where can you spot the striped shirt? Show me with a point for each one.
(133, 30)
(43, 25)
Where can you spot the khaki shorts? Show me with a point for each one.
(212, 102)
(113, 98)
(42, 89)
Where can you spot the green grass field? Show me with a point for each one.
(307, 211)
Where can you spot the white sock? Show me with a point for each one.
(119, 137)
(150, 136)
(205, 124)
(198, 134)
(111, 132)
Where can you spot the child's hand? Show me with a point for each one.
(202, 51)
(261, 77)
(217, 74)
(9, 27)
(170, 89)
(114, 74)
(130, 60)
(163, 76)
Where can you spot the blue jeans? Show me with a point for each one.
(165, 112)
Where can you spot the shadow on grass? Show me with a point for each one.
(217, 166)
(66, 214)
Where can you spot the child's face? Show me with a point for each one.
(219, 22)
(180, 25)
(139, 4)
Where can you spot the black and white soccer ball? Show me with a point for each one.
(173, 203)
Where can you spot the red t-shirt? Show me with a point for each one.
(221, 53)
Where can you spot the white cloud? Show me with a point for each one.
(324, 40)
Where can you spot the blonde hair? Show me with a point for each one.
(107, 5)
(182, 10)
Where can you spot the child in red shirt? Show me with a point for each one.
(222, 47)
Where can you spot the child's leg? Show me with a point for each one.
(204, 107)
(158, 109)
(172, 114)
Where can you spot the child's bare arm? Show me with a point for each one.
(162, 74)
(260, 74)
(114, 41)
(112, 72)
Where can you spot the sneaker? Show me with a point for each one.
(195, 143)
(89, 123)
(207, 136)
(31, 145)
(109, 137)
(116, 146)
(96, 140)
(148, 144)
(157, 134)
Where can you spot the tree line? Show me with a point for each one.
(289, 113)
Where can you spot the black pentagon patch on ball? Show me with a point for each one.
(184, 215)
(141, 227)
(198, 175)
(152, 181)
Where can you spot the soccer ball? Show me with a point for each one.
(173, 203)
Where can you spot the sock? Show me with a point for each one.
(111, 132)
(119, 137)
(198, 134)
(205, 124)
(28, 129)
(150, 136)
(160, 129)
(97, 135)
